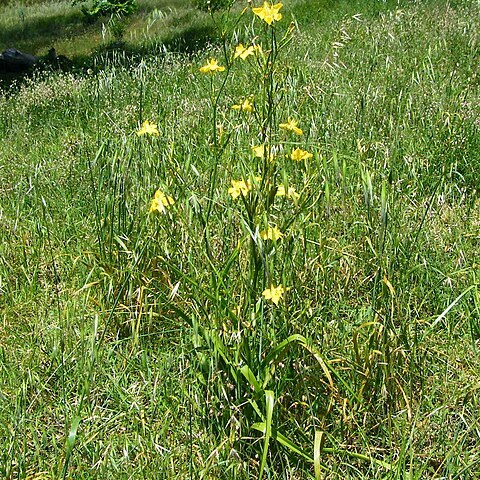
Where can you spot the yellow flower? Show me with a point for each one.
(269, 12)
(246, 106)
(289, 193)
(292, 126)
(243, 52)
(274, 294)
(160, 202)
(258, 151)
(239, 187)
(298, 154)
(212, 67)
(148, 128)
(271, 233)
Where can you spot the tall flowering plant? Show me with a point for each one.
(265, 203)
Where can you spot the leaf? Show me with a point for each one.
(317, 451)
(222, 351)
(72, 435)
(320, 360)
(279, 349)
(269, 403)
(70, 443)
(249, 375)
(386, 281)
(286, 442)
(261, 427)
(445, 312)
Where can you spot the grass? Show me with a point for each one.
(140, 345)
(173, 24)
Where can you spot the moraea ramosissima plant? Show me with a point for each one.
(240, 187)
(290, 192)
(246, 106)
(271, 233)
(243, 52)
(258, 151)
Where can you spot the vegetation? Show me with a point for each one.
(157, 24)
(112, 9)
(256, 260)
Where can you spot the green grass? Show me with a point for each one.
(137, 345)
(173, 24)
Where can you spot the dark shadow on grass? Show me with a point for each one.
(38, 33)
(192, 39)
(34, 35)
(186, 41)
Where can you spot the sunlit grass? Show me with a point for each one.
(172, 25)
(191, 290)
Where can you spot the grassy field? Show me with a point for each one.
(173, 23)
(286, 289)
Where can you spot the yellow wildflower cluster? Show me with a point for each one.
(240, 187)
(298, 155)
(289, 192)
(246, 106)
(244, 52)
(260, 151)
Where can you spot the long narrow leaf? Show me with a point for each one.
(445, 312)
(360, 456)
(269, 403)
(279, 349)
(220, 348)
(317, 451)
(286, 442)
(320, 360)
(250, 376)
(70, 443)
(261, 427)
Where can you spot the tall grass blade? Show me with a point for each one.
(72, 436)
(269, 403)
(317, 453)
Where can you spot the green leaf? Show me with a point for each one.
(222, 351)
(262, 427)
(72, 435)
(269, 403)
(249, 375)
(70, 443)
(317, 451)
(280, 348)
